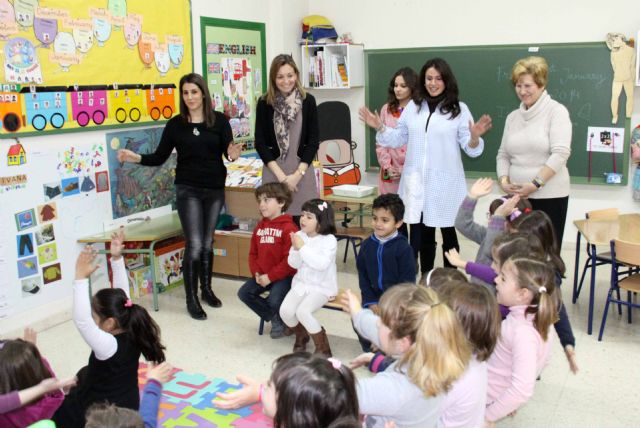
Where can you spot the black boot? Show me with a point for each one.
(206, 271)
(190, 274)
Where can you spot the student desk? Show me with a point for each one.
(152, 231)
(363, 203)
(600, 232)
(233, 247)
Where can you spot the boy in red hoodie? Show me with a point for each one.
(268, 255)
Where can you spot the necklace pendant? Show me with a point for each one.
(196, 132)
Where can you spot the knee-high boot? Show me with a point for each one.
(427, 257)
(190, 272)
(206, 272)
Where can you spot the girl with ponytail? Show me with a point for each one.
(427, 337)
(526, 285)
(117, 330)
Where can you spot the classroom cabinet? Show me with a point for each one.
(332, 66)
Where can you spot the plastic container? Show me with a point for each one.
(352, 190)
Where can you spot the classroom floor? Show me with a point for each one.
(603, 394)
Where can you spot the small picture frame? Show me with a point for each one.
(613, 177)
(25, 219)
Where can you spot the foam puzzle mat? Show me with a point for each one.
(187, 402)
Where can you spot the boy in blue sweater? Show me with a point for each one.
(385, 258)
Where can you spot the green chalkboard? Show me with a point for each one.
(580, 77)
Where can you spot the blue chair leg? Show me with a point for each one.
(619, 300)
(584, 272)
(629, 307)
(346, 250)
(604, 315)
(574, 295)
(261, 327)
(355, 249)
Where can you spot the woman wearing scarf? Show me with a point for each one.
(286, 135)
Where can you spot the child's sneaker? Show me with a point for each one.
(277, 328)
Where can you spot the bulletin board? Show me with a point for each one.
(70, 65)
(234, 64)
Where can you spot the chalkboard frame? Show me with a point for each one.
(599, 57)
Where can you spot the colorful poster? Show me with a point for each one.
(136, 188)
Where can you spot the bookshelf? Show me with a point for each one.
(332, 66)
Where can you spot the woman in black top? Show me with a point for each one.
(286, 136)
(201, 136)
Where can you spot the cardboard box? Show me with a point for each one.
(168, 259)
(140, 281)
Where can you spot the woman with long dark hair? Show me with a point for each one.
(434, 128)
(201, 136)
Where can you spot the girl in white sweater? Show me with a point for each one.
(313, 254)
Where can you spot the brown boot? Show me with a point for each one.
(322, 343)
(302, 338)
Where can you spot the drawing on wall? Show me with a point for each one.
(16, 155)
(623, 62)
(25, 219)
(45, 234)
(605, 139)
(31, 285)
(102, 181)
(47, 212)
(70, 186)
(51, 273)
(27, 267)
(52, 191)
(136, 188)
(25, 245)
(47, 253)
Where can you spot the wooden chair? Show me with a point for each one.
(602, 258)
(628, 255)
(354, 236)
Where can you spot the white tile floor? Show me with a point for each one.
(604, 393)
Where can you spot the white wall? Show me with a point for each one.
(386, 24)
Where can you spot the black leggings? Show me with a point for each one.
(423, 242)
(556, 209)
(198, 209)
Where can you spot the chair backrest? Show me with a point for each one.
(334, 121)
(605, 214)
(626, 252)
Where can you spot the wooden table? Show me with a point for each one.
(600, 232)
(152, 231)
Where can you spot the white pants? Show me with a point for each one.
(296, 308)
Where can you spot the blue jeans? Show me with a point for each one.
(198, 209)
(266, 307)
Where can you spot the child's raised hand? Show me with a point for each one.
(248, 394)
(454, 258)
(507, 207)
(117, 243)
(480, 188)
(361, 360)
(296, 241)
(30, 335)
(350, 302)
(570, 353)
(85, 263)
(160, 372)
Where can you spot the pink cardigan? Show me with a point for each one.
(389, 158)
(517, 361)
(43, 408)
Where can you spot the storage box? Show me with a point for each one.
(140, 281)
(169, 265)
(352, 190)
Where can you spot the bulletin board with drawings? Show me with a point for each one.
(234, 63)
(52, 193)
(70, 66)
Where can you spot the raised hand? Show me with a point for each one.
(85, 265)
(480, 188)
(371, 119)
(248, 394)
(454, 258)
(480, 127)
(30, 335)
(117, 243)
(507, 207)
(350, 302)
